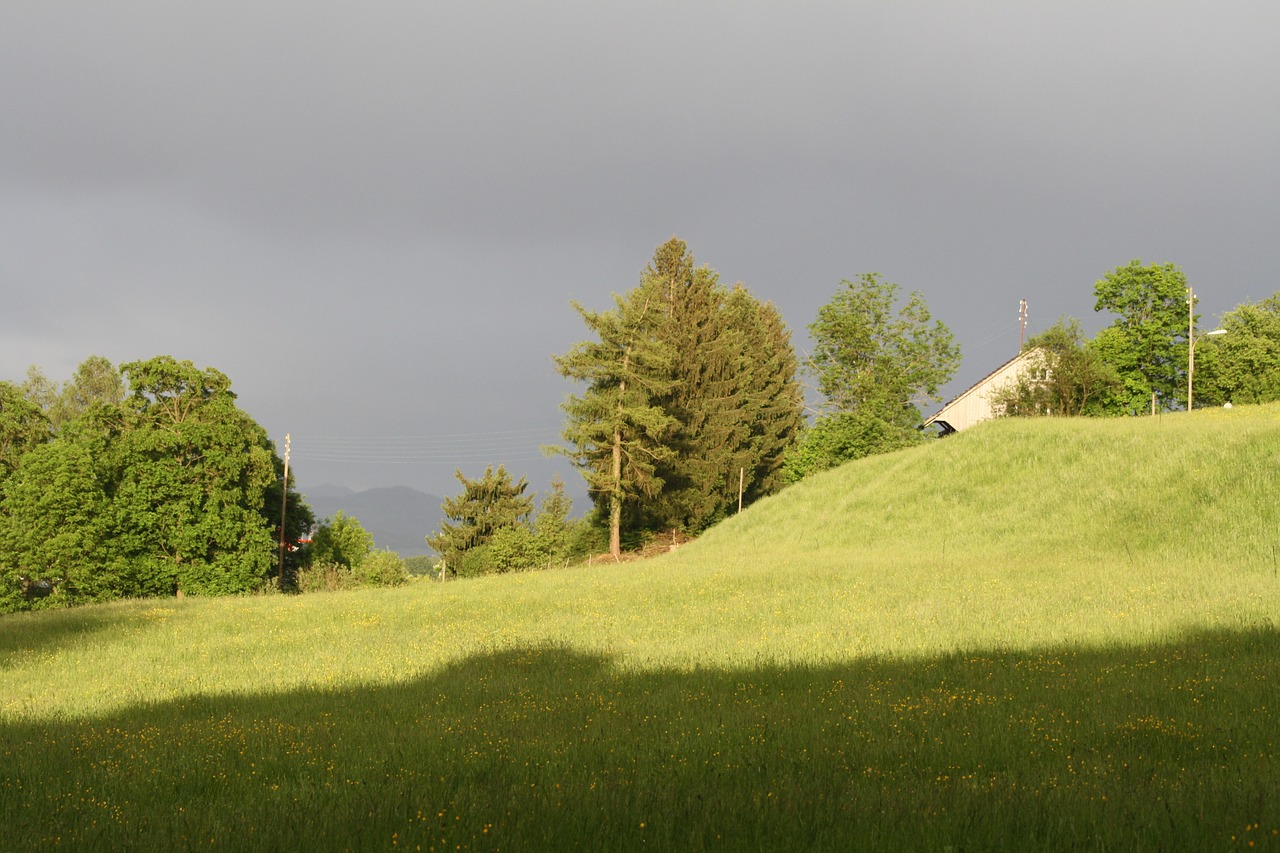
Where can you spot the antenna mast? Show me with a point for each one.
(1022, 322)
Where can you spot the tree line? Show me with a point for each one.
(1141, 362)
(139, 481)
(688, 403)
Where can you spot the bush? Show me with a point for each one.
(325, 576)
(838, 438)
(422, 564)
(382, 568)
(514, 549)
(471, 563)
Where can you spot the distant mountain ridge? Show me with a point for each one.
(399, 517)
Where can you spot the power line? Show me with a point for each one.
(460, 448)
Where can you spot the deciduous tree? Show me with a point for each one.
(193, 472)
(871, 359)
(23, 426)
(876, 363)
(342, 541)
(1242, 365)
(170, 489)
(1065, 377)
(1146, 346)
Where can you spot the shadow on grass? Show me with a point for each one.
(1167, 746)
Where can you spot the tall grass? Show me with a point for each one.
(1050, 635)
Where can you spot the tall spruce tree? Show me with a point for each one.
(703, 397)
(772, 397)
(617, 430)
(735, 397)
(719, 379)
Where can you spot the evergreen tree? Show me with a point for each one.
(485, 506)
(617, 430)
(772, 399)
(718, 389)
(735, 398)
(704, 397)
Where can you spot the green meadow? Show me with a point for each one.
(1034, 635)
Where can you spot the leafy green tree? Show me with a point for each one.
(839, 437)
(535, 545)
(193, 470)
(875, 366)
(23, 426)
(513, 549)
(342, 541)
(1243, 365)
(878, 363)
(167, 490)
(51, 532)
(1146, 346)
(43, 392)
(382, 568)
(617, 430)
(95, 382)
(421, 564)
(1066, 377)
(485, 506)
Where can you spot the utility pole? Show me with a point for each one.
(1022, 320)
(284, 507)
(1191, 341)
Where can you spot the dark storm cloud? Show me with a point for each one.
(372, 216)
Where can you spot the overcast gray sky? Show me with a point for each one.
(372, 216)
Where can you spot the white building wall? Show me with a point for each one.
(974, 405)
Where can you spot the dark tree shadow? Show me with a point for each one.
(1163, 746)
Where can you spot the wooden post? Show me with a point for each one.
(742, 473)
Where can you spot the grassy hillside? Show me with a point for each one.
(1044, 635)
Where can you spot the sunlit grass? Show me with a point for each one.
(1048, 635)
